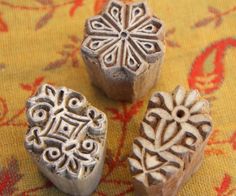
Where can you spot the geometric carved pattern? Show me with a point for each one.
(125, 37)
(174, 132)
(65, 132)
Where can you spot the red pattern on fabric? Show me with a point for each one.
(9, 176)
(208, 82)
(224, 188)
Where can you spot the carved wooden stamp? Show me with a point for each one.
(123, 50)
(170, 149)
(66, 138)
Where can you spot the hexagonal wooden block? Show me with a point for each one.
(174, 133)
(123, 50)
(66, 138)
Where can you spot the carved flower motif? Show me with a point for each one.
(65, 132)
(175, 124)
(124, 35)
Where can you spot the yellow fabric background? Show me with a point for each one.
(26, 50)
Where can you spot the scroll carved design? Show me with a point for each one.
(65, 132)
(175, 128)
(124, 36)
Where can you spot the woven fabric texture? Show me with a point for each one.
(40, 42)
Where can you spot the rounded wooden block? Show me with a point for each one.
(174, 133)
(66, 138)
(123, 49)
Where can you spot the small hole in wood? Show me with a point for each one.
(65, 128)
(137, 11)
(40, 114)
(88, 145)
(180, 114)
(124, 34)
(74, 102)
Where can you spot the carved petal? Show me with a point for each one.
(132, 61)
(115, 13)
(148, 130)
(170, 169)
(152, 29)
(150, 49)
(158, 176)
(180, 149)
(142, 178)
(179, 95)
(110, 58)
(100, 26)
(171, 158)
(135, 164)
(93, 45)
(168, 100)
(137, 14)
(200, 118)
(159, 112)
(146, 144)
(191, 98)
(199, 106)
(170, 131)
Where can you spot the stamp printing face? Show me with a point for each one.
(64, 131)
(124, 36)
(176, 126)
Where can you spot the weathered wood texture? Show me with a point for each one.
(123, 50)
(174, 133)
(66, 138)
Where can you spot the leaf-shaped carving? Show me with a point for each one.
(158, 112)
(137, 150)
(135, 164)
(145, 143)
(168, 100)
(179, 95)
(200, 119)
(180, 149)
(148, 130)
(158, 176)
(170, 132)
(191, 97)
(170, 169)
(199, 106)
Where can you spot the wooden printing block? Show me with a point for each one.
(123, 49)
(174, 133)
(66, 138)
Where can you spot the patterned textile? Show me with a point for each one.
(40, 42)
